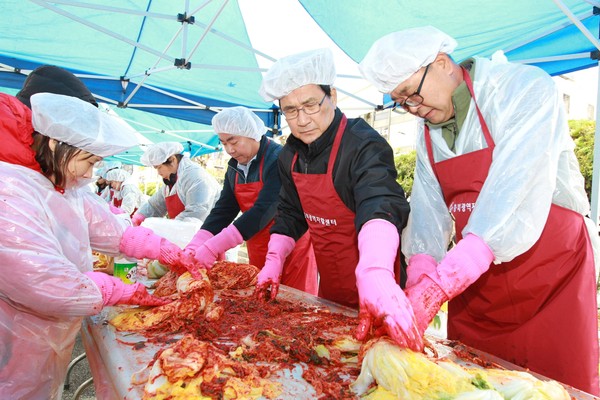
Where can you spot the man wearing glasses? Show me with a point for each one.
(495, 160)
(338, 181)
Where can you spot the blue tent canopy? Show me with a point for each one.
(197, 139)
(159, 57)
(542, 33)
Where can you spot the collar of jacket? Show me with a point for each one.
(308, 151)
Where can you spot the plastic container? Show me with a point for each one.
(125, 269)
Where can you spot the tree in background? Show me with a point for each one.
(150, 188)
(582, 132)
(405, 165)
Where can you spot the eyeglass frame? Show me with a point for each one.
(319, 104)
(417, 92)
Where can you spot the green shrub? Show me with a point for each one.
(582, 132)
(150, 188)
(405, 165)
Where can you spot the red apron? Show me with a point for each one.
(174, 204)
(538, 310)
(300, 268)
(118, 203)
(331, 226)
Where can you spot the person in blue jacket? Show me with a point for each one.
(252, 187)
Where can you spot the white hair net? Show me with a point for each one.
(393, 58)
(80, 124)
(291, 72)
(106, 166)
(117, 175)
(111, 164)
(158, 153)
(239, 121)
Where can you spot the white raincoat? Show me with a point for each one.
(533, 166)
(196, 188)
(45, 246)
(105, 194)
(130, 195)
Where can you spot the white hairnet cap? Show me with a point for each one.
(239, 121)
(106, 166)
(393, 58)
(117, 175)
(158, 153)
(80, 124)
(291, 72)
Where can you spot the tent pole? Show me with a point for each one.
(577, 23)
(594, 206)
(99, 28)
(543, 34)
(596, 161)
(207, 30)
(564, 57)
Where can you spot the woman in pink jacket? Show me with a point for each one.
(48, 228)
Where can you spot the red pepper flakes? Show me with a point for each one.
(283, 334)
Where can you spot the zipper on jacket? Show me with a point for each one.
(239, 172)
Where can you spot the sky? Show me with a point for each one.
(587, 83)
(294, 33)
(299, 32)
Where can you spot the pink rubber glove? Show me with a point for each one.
(267, 284)
(115, 291)
(382, 303)
(189, 253)
(206, 255)
(115, 210)
(141, 242)
(137, 219)
(198, 240)
(419, 264)
(462, 266)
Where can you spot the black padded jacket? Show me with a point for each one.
(364, 176)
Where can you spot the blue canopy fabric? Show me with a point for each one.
(536, 31)
(197, 139)
(155, 56)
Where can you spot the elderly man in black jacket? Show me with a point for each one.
(338, 182)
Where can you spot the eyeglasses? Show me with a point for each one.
(309, 109)
(414, 99)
